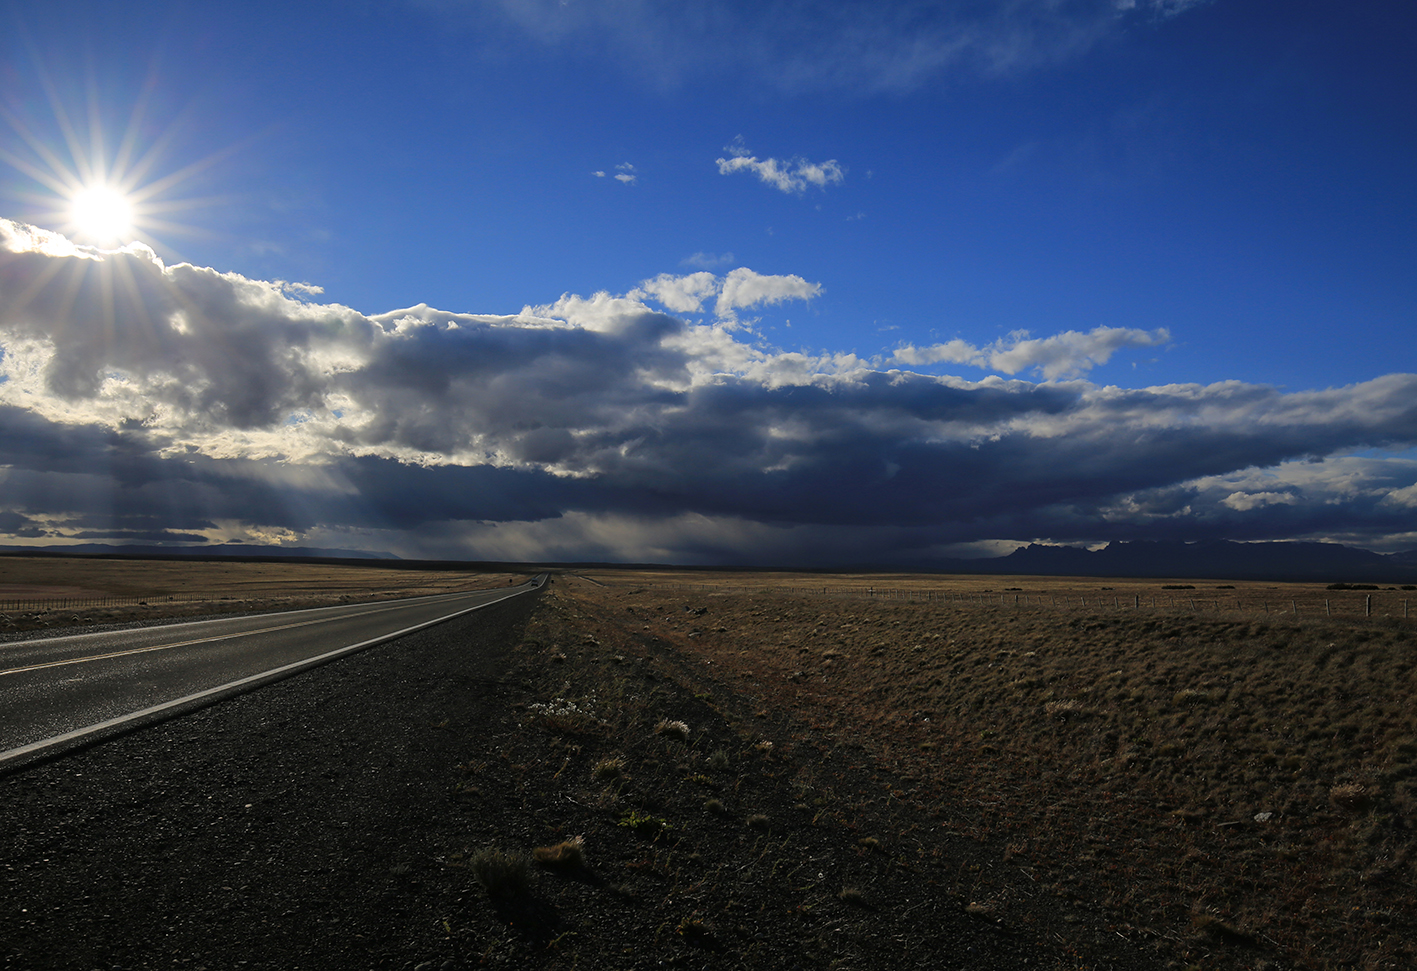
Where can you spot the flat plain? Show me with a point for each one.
(1204, 774)
(38, 592)
(1228, 767)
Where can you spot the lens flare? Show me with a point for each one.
(101, 214)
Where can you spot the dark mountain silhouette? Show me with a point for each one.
(215, 551)
(1220, 559)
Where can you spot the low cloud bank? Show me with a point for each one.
(138, 398)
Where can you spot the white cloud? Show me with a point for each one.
(1403, 497)
(743, 288)
(740, 289)
(214, 404)
(1244, 501)
(682, 294)
(1064, 355)
(626, 173)
(791, 176)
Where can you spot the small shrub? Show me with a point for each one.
(644, 823)
(851, 895)
(719, 760)
(501, 872)
(715, 806)
(758, 821)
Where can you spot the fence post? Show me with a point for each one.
(1368, 605)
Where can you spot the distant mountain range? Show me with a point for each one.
(216, 551)
(1219, 559)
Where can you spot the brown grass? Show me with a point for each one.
(68, 590)
(1218, 775)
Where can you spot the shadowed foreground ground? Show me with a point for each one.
(757, 780)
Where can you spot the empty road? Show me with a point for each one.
(56, 692)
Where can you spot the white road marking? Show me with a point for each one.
(199, 640)
(231, 687)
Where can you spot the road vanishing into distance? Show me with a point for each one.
(60, 692)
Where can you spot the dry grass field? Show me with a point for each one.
(1220, 776)
(1240, 784)
(44, 591)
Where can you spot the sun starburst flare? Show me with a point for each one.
(102, 214)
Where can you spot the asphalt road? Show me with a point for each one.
(60, 692)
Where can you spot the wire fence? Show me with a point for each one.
(40, 604)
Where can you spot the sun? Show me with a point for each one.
(101, 186)
(101, 214)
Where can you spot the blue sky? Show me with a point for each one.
(717, 282)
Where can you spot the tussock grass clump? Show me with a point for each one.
(677, 730)
(1351, 796)
(501, 872)
(1063, 708)
(608, 769)
(568, 854)
(1194, 696)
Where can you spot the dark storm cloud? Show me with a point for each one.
(141, 399)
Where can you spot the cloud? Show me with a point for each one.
(707, 261)
(143, 399)
(625, 174)
(794, 46)
(1064, 355)
(792, 176)
(741, 289)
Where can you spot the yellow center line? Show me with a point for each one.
(199, 640)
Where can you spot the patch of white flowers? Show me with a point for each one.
(563, 708)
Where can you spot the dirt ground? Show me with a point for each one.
(885, 771)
